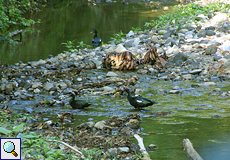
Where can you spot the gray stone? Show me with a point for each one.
(211, 49)
(36, 85)
(112, 152)
(107, 88)
(61, 85)
(142, 71)
(187, 77)
(210, 28)
(210, 33)
(123, 149)
(111, 74)
(100, 125)
(128, 43)
(202, 33)
(47, 86)
(120, 48)
(169, 65)
(195, 71)
(207, 84)
(225, 46)
(174, 91)
(219, 18)
(144, 37)
(18, 93)
(37, 90)
(179, 57)
(130, 34)
(216, 58)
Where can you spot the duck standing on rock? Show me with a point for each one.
(96, 40)
(77, 104)
(139, 101)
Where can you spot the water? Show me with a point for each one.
(191, 116)
(74, 20)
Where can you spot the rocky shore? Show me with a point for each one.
(196, 51)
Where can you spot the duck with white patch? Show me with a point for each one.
(139, 101)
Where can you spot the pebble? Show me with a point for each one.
(111, 74)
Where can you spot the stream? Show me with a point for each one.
(197, 113)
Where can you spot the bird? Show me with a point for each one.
(139, 101)
(96, 40)
(77, 104)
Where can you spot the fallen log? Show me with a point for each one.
(12, 34)
(190, 151)
(142, 147)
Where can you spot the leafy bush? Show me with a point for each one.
(12, 14)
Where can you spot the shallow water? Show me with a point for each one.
(191, 116)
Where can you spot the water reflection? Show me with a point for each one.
(73, 20)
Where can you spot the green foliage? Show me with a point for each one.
(92, 154)
(72, 48)
(136, 30)
(185, 14)
(12, 14)
(82, 45)
(117, 37)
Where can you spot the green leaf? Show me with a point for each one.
(4, 130)
(19, 127)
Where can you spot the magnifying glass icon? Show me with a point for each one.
(9, 147)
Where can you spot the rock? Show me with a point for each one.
(120, 48)
(225, 46)
(130, 34)
(210, 33)
(195, 71)
(179, 57)
(219, 18)
(174, 91)
(62, 85)
(216, 58)
(123, 149)
(47, 86)
(79, 79)
(37, 90)
(142, 71)
(18, 93)
(136, 41)
(202, 33)
(169, 65)
(36, 85)
(100, 125)
(128, 43)
(111, 74)
(108, 89)
(187, 77)
(222, 60)
(112, 152)
(207, 84)
(211, 49)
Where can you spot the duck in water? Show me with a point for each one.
(139, 101)
(77, 104)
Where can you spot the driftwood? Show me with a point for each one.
(121, 61)
(190, 151)
(12, 34)
(67, 145)
(142, 147)
(153, 57)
